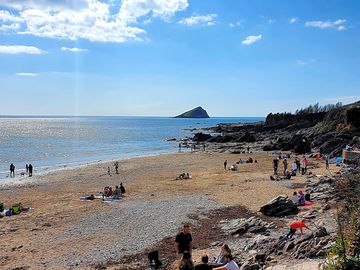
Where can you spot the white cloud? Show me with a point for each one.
(208, 20)
(93, 20)
(16, 49)
(236, 24)
(74, 50)
(338, 24)
(27, 74)
(251, 39)
(293, 20)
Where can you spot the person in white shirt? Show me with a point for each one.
(230, 264)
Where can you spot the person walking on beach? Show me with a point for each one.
(27, 168)
(275, 165)
(109, 171)
(12, 170)
(116, 164)
(179, 147)
(248, 149)
(297, 224)
(225, 164)
(285, 165)
(30, 170)
(183, 240)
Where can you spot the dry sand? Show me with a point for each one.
(50, 235)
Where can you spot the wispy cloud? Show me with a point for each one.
(17, 49)
(338, 24)
(94, 20)
(27, 74)
(293, 20)
(207, 20)
(251, 39)
(236, 24)
(74, 50)
(302, 62)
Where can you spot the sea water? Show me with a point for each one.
(50, 143)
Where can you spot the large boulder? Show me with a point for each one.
(279, 207)
(201, 137)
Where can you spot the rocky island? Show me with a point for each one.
(197, 112)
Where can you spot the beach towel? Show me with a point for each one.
(307, 203)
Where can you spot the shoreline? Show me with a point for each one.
(9, 181)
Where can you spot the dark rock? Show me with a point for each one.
(321, 232)
(201, 137)
(353, 116)
(257, 229)
(222, 139)
(241, 230)
(288, 246)
(279, 207)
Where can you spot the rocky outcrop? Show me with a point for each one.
(279, 207)
(197, 112)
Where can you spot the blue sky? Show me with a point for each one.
(163, 57)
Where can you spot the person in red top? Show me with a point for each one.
(298, 224)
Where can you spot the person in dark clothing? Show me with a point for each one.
(275, 165)
(122, 188)
(27, 168)
(30, 170)
(204, 265)
(186, 262)
(183, 240)
(225, 164)
(12, 170)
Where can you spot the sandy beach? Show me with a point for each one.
(62, 232)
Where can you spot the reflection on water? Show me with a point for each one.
(50, 142)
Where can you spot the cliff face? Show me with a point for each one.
(198, 112)
(309, 129)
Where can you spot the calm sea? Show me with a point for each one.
(51, 143)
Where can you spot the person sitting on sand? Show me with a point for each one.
(90, 198)
(250, 160)
(301, 198)
(122, 188)
(295, 198)
(117, 193)
(234, 167)
(298, 224)
(186, 262)
(287, 175)
(225, 250)
(204, 264)
(230, 264)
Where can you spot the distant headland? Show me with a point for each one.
(197, 112)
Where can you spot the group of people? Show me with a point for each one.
(116, 193)
(224, 260)
(183, 176)
(299, 198)
(183, 246)
(296, 166)
(28, 168)
(234, 167)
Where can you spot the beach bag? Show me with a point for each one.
(307, 197)
(1, 207)
(16, 208)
